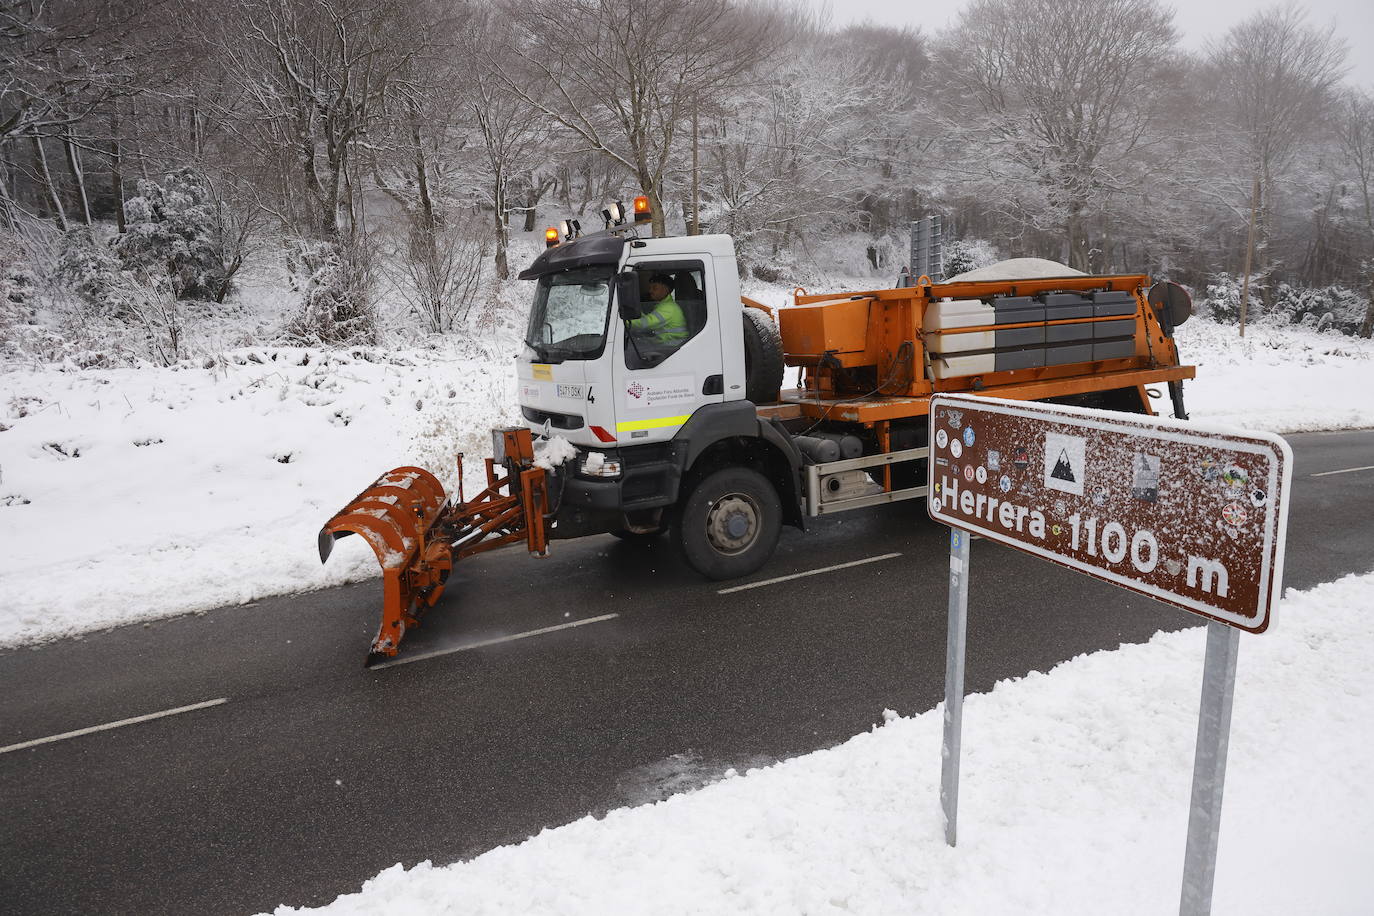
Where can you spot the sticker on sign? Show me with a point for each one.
(1189, 515)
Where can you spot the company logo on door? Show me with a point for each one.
(660, 392)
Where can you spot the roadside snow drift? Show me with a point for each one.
(128, 494)
(1073, 799)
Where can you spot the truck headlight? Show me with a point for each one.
(595, 464)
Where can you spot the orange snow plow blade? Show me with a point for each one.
(417, 534)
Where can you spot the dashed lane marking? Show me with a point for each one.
(809, 572)
(406, 660)
(1367, 467)
(109, 725)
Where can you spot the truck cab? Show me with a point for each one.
(585, 374)
(652, 420)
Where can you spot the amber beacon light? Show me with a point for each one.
(642, 209)
(550, 237)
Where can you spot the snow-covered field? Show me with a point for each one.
(1073, 800)
(129, 494)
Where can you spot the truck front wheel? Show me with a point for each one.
(729, 525)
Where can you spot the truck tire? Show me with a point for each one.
(762, 357)
(729, 525)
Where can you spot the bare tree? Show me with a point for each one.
(1355, 130)
(1275, 75)
(314, 78)
(623, 75)
(1054, 96)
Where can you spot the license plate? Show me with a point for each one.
(570, 391)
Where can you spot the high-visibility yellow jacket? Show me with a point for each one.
(665, 324)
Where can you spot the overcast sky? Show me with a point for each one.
(1198, 21)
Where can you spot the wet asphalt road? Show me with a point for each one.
(315, 774)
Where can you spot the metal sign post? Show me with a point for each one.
(1193, 517)
(1209, 768)
(954, 680)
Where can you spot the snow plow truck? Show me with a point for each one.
(695, 437)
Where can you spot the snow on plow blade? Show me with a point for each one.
(417, 534)
(396, 516)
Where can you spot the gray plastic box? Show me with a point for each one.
(1113, 303)
(1113, 349)
(1067, 305)
(1020, 337)
(1068, 353)
(1055, 333)
(1122, 328)
(1032, 358)
(1018, 309)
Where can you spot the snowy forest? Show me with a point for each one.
(385, 166)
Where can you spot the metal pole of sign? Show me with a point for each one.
(1209, 768)
(954, 679)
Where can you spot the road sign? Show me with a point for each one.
(1192, 517)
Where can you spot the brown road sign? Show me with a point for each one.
(1190, 516)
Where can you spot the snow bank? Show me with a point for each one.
(1074, 799)
(129, 494)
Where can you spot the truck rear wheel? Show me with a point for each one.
(729, 525)
(763, 364)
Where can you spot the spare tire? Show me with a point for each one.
(762, 357)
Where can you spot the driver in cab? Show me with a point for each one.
(663, 322)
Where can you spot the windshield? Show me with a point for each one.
(570, 313)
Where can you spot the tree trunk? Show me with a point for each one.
(694, 227)
(40, 159)
(1249, 254)
(7, 205)
(1367, 326)
(499, 220)
(1265, 228)
(1078, 249)
(74, 164)
(116, 169)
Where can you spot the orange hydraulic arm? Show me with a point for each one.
(417, 534)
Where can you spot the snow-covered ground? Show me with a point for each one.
(1073, 800)
(129, 494)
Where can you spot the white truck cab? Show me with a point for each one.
(652, 420)
(594, 381)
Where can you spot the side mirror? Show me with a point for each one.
(627, 295)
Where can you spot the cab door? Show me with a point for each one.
(658, 387)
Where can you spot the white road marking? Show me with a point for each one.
(405, 660)
(802, 575)
(1367, 467)
(109, 725)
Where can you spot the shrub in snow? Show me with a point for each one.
(441, 270)
(175, 229)
(963, 255)
(334, 282)
(1323, 308)
(1221, 301)
(92, 270)
(18, 292)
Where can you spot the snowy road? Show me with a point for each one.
(313, 774)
